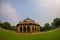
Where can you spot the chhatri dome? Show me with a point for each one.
(28, 26)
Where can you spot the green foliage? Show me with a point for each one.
(56, 23)
(47, 27)
(6, 25)
(41, 29)
(12, 28)
(0, 23)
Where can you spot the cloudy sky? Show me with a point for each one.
(42, 11)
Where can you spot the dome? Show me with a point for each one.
(28, 21)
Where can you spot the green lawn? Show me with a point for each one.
(7, 35)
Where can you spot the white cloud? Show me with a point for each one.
(47, 10)
(8, 13)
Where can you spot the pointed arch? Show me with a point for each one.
(24, 28)
(28, 28)
(20, 28)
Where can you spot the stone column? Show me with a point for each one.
(34, 28)
(30, 28)
(18, 29)
(26, 28)
(39, 28)
(22, 29)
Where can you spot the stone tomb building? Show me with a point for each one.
(28, 26)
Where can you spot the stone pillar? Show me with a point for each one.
(34, 28)
(31, 29)
(26, 28)
(22, 29)
(18, 29)
(39, 28)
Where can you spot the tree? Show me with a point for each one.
(41, 29)
(47, 27)
(12, 28)
(56, 22)
(0, 23)
(53, 26)
(6, 25)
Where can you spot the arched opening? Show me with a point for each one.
(24, 28)
(28, 28)
(20, 29)
(33, 29)
(38, 29)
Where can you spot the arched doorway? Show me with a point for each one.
(32, 29)
(28, 28)
(20, 29)
(24, 28)
(35, 29)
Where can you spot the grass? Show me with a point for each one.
(7, 35)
